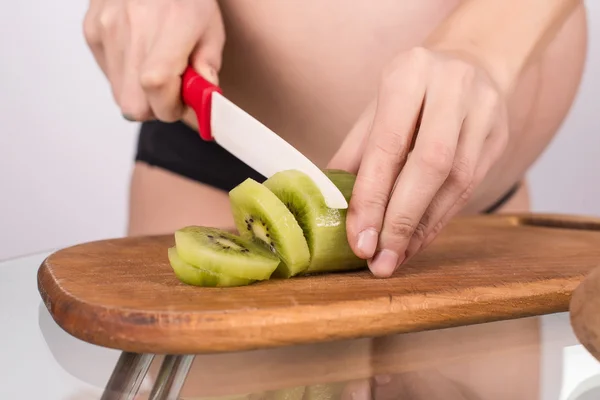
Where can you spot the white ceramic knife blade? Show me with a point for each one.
(262, 149)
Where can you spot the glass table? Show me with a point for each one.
(529, 358)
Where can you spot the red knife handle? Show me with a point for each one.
(196, 93)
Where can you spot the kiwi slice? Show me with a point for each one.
(324, 228)
(261, 217)
(191, 275)
(224, 253)
(324, 391)
(295, 393)
(232, 397)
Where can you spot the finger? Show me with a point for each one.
(134, 104)
(398, 106)
(206, 57)
(357, 390)
(114, 35)
(426, 170)
(92, 32)
(459, 186)
(427, 384)
(160, 78)
(491, 152)
(349, 155)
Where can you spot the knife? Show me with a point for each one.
(239, 133)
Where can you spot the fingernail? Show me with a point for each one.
(367, 242)
(128, 117)
(362, 394)
(385, 263)
(356, 391)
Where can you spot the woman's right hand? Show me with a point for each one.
(143, 48)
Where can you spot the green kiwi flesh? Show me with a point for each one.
(223, 253)
(229, 397)
(324, 228)
(329, 391)
(261, 217)
(191, 275)
(295, 393)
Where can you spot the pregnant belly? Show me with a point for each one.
(308, 68)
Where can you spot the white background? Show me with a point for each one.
(54, 100)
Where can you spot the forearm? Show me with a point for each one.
(503, 35)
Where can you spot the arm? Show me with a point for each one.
(144, 47)
(506, 37)
(503, 35)
(455, 91)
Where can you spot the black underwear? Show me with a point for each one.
(178, 148)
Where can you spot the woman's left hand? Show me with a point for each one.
(404, 194)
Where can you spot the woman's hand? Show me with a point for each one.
(405, 194)
(143, 48)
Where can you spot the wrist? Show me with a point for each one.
(502, 36)
(496, 66)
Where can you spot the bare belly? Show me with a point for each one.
(308, 68)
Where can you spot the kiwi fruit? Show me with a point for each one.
(223, 253)
(324, 228)
(328, 391)
(228, 397)
(191, 275)
(261, 217)
(295, 393)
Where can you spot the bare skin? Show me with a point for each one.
(311, 93)
(308, 69)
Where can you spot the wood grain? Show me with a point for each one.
(123, 294)
(585, 313)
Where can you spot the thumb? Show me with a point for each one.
(206, 58)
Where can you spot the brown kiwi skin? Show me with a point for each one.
(224, 253)
(195, 276)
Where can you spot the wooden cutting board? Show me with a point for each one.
(122, 293)
(585, 313)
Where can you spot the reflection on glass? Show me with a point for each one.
(518, 359)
